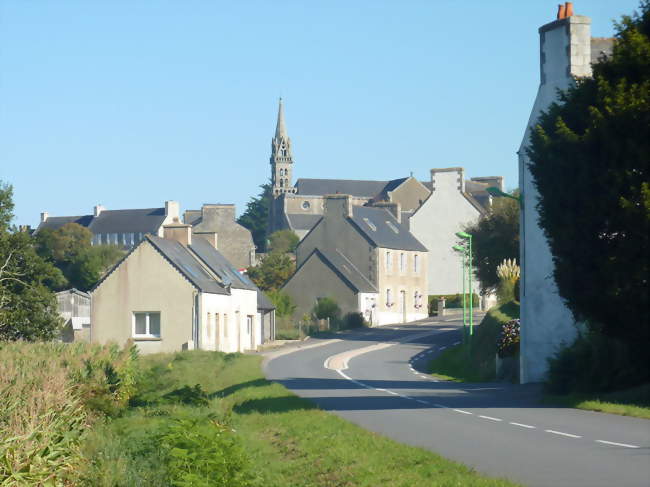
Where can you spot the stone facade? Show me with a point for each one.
(546, 323)
(233, 241)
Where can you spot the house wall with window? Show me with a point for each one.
(402, 283)
(229, 323)
(143, 283)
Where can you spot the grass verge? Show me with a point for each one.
(274, 438)
(633, 402)
(475, 362)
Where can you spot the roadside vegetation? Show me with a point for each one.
(207, 418)
(475, 360)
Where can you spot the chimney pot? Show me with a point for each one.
(44, 216)
(561, 11)
(179, 232)
(568, 10)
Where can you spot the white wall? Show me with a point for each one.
(231, 334)
(546, 323)
(435, 224)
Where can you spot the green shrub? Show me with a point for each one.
(191, 396)
(326, 308)
(451, 301)
(283, 303)
(354, 320)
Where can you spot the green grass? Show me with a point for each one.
(287, 440)
(475, 362)
(633, 402)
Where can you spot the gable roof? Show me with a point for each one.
(321, 187)
(302, 222)
(381, 228)
(219, 265)
(56, 222)
(181, 258)
(146, 220)
(343, 268)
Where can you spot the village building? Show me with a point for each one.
(125, 228)
(178, 292)
(567, 52)
(364, 259)
(74, 308)
(234, 241)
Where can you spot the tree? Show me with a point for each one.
(256, 216)
(284, 305)
(69, 249)
(28, 309)
(326, 308)
(283, 241)
(274, 270)
(590, 158)
(495, 239)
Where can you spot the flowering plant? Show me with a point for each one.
(509, 338)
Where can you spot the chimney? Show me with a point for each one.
(449, 179)
(180, 232)
(338, 204)
(568, 9)
(44, 216)
(223, 213)
(394, 208)
(172, 211)
(209, 236)
(97, 210)
(561, 12)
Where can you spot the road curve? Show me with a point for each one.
(498, 429)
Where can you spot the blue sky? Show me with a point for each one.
(128, 104)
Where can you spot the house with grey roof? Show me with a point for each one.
(364, 259)
(125, 228)
(233, 240)
(177, 291)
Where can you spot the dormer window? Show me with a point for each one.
(370, 225)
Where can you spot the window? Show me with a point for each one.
(416, 264)
(216, 326)
(389, 298)
(389, 261)
(281, 182)
(146, 324)
(225, 325)
(249, 324)
(402, 262)
(305, 205)
(281, 172)
(209, 327)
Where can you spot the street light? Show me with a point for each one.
(463, 251)
(467, 236)
(497, 193)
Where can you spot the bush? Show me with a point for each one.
(594, 363)
(509, 339)
(284, 305)
(354, 320)
(451, 301)
(326, 308)
(49, 393)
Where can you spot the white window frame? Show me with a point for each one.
(389, 296)
(147, 325)
(389, 261)
(249, 324)
(402, 262)
(416, 264)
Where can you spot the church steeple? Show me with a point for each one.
(281, 158)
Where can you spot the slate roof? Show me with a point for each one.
(321, 187)
(218, 264)
(303, 222)
(146, 220)
(382, 229)
(263, 302)
(56, 222)
(181, 258)
(600, 46)
(344, 269)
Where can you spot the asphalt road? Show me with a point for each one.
(499, 429)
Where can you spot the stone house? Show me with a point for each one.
(567, 52)
(125, 228)
(233, 241)
(178, 292)
(364, 259)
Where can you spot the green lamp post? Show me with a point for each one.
(497, 193)
(463, 252)
(467, 236)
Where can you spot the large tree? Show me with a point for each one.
(590, 157)
(256, 216)
(495, 237)
(28, 309)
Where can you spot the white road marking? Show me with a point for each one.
(617, 444)
(461, 411)
(393, 393)
(563, 434)
(440, 406)
(421, 401)
(524, 425)
(442, 348)
(381, 390)
(456, 343)
(490, 418)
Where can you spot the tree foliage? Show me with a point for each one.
(590, 158)
(283, 241)
(28, 309)
(284, 305)
(69, 249)
(274, 270)
(256, 216)
(326, 308)
(495, 239)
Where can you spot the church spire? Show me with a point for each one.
(280, 129)
(281, 158)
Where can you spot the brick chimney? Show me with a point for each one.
(209, 236)
(97, 210)
(338, 204)
(180, 232)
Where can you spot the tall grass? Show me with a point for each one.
(49, 394)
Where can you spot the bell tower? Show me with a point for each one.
(281, 158)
